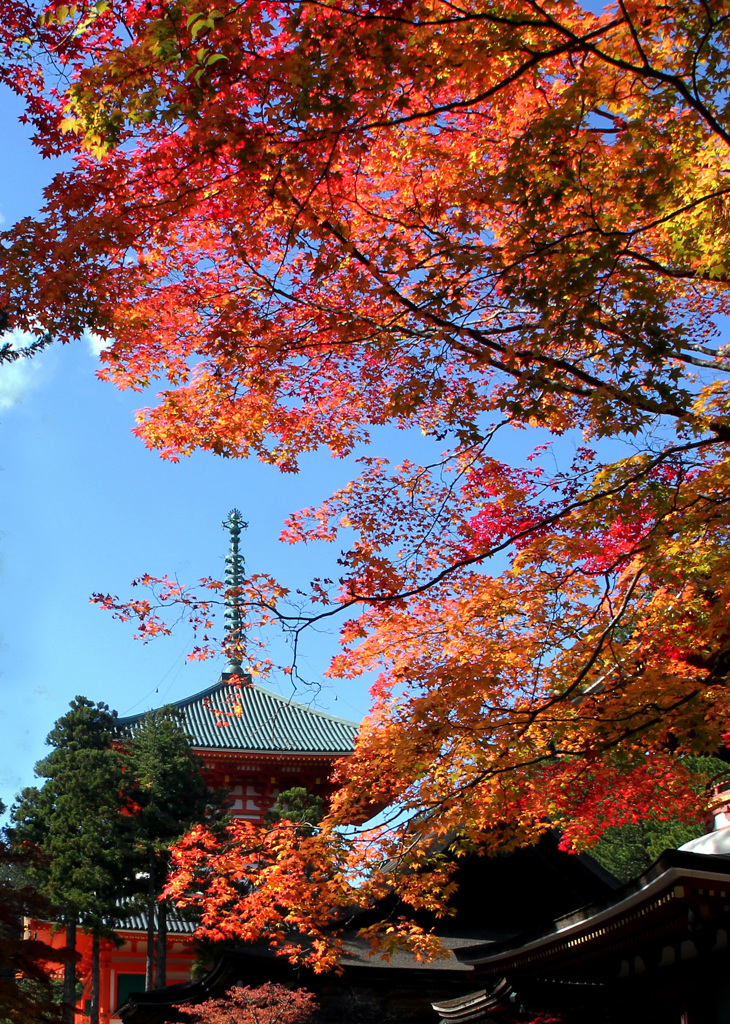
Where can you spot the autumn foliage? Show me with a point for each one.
(268, 1004)
(309, 220)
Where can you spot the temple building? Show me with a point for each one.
(535, 934)
(654, 951)
(496, 897)
(254, 744)
(267, 745)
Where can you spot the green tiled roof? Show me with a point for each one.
(176, 923)
(268, 722)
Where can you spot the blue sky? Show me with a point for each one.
(85, 507)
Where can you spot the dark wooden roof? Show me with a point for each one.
(508, 894)
(658, 945)
(401, 977)
(659, 900)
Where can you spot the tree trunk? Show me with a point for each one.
(149, 982)
(69, 974)
(95, 949)
(161, 944)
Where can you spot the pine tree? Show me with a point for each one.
(296, 805)
(75, 823)
(167, 794)
(629, 850)
(26, 989)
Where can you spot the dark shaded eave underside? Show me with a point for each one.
(590, 926)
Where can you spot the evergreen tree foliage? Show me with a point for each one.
(296, 805)
(166, 795)
(165, 783)
(103, 821)
(26, 986)
(74, 822)
(629, 850)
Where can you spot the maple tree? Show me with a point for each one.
(312, 220)
(267, 1004)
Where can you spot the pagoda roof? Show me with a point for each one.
(243, 717)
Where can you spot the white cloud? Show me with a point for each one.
(17, 378)
(96, 343)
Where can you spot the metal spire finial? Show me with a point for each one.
(235, 575)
